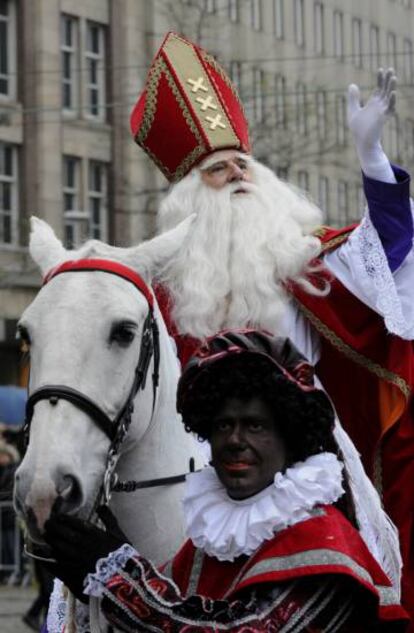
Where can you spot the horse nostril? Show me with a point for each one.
(69, 495)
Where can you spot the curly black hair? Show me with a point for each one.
(304, 419)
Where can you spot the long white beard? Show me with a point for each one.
(241, 248)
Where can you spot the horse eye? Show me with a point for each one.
(123, 334)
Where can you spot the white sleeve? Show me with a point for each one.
(361, 265)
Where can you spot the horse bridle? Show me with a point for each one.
(116, 429)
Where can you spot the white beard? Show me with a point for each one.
(240, 250)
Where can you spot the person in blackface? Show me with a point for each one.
(257, 256)
(271, 546)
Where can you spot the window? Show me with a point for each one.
(321, 115)
(303, 180)
(95, 71)
(374, 47)
(234, 10)
(282, 173)
(318, 28)
(357, 42)
(256, 14)
(341, 125)
(409, 139)
(338, 34)
(280, 102)
(210, 6)
(258, 89)
(392, 49)
(323, 195)
(70, 55)
(83, 46)
(392, 138)
(408, 60)
(84, 207)
(236, 75)
(278, 12)
(8, 194)
(301, 119)
(72, 201)
(97, 199)
(343, 201)
(299, 22)
(8, 53)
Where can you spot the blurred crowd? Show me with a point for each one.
(15, 567)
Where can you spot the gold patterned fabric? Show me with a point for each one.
(188, 109)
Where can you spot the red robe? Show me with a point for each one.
(320, 571)
(369, 375)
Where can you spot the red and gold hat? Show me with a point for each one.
(189, 109)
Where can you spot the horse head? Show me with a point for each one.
(85, 331)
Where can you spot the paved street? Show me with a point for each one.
(13, 603)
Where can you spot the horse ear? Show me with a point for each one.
(45, 248)
(151, 255)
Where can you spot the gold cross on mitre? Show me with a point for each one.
(197, 84)
(215, 122)
(206, 102)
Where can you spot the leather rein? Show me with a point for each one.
(116, 429)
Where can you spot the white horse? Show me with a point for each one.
(84, 331)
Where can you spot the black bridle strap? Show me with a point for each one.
(53, 393)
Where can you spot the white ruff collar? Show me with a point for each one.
(226, 528)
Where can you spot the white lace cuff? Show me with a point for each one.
(375, 265)
(106, 568)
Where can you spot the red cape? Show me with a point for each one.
(369, 375)
(324, 544)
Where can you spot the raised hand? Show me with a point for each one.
(366, 123)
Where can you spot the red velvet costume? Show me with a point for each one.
(371, 388)
(316, 575)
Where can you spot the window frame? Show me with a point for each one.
(256, 14)
(95, 60)
(374, 43)
(12, 180)
(10, 72)
(338, 33)
(73, 53)
(102, 196)
(319, 27)
(234, 11)
(299, 23)
(279, 19)
(357, 42)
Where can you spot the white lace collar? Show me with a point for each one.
(226, 528)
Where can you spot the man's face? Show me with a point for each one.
(229, 167)
(246, 449)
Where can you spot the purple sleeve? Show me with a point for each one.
(390, 212)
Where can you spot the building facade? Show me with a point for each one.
(70, 73)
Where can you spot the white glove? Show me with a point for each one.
(366, 124)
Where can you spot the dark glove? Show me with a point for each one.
(77, 545)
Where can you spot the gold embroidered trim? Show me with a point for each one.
(195, 572)
(220, 70)
(321, 231)
(356, 357)
(188, 67)
(209, 59)
(150, 100)
(322, 557)
(159, 68)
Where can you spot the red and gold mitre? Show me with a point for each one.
(188, 109)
